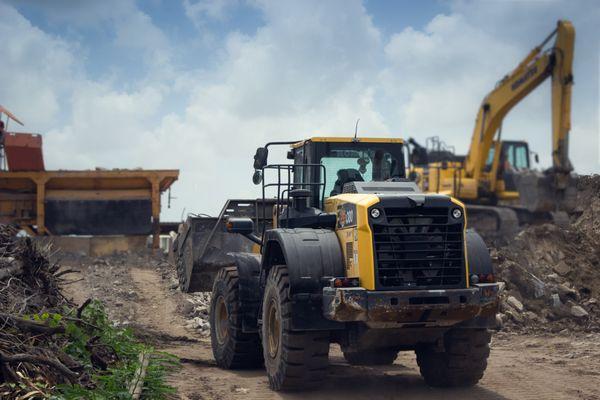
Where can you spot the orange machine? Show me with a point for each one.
(92, 202)
(23, 151)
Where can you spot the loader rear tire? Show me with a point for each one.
(293, 360)
(371, 357)
(232, 348)
(461, 364)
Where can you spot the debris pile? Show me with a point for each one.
(49, 347)
(552, 275)
(29, 285)
(197, 310)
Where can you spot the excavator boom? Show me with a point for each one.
(495, 178)
(539, 65)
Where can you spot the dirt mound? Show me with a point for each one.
(552, 275)
(587, 217)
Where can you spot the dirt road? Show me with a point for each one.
(521, 367)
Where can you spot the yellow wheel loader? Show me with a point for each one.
(350, 252)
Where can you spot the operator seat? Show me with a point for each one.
(346, 175)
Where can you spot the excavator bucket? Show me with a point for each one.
(202, 245)
(546, 192)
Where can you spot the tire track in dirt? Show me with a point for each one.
(520, 367)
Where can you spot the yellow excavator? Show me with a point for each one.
(495, 178)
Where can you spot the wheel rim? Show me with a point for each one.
(273, 329)
(221, 320)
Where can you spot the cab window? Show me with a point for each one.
(344, 164)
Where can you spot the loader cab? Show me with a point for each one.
(335, 162)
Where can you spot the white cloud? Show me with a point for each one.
(311, 68)
(200, 11)
(37, 69)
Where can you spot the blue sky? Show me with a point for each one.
(188, 84)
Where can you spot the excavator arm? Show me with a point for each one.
(540, 64)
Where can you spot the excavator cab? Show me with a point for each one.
(513, 158)
(513, 155)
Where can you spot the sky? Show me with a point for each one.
(197, 85)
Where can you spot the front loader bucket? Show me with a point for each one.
(203, 244)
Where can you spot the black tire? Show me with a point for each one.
(185, 264)
(463, 362)
(371, 357)
(293, 360)
(232, 348)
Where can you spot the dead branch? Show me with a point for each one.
(137, 383)
(31, 326)
(36, 360)
(82, 307)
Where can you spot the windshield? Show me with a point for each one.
(351, 162)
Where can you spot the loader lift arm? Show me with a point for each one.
(540, 64)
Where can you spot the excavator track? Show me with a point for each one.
(493, 221)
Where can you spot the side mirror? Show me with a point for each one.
(260, 158)
(243, 226)
(257, 177)
(537, 158)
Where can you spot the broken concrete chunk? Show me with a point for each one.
(561, 268)
(515, 303)
(556, 303)
(578, 312)
(530, 315)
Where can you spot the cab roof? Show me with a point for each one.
(347, 140)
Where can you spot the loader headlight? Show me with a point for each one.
(457, 213)
(375, 213)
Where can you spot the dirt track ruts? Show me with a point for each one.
(521, 366)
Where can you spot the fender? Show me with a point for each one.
(310, 254)
(248, 267)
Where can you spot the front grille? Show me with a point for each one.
(419, 248)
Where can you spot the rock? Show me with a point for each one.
(561, 268)
(187, 308)
(590, 301)
(515, 316)
(566, 293)
(515, 303)
(500, 320)
(578, 312)
(531, 315)
(556, 303)
(553, 277)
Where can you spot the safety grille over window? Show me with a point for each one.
(419, 248)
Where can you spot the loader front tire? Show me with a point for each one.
(293, 360)
(461, 364)
(232, 348)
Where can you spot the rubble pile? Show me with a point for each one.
(197, 309)
(552, 274)
(195, 306)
